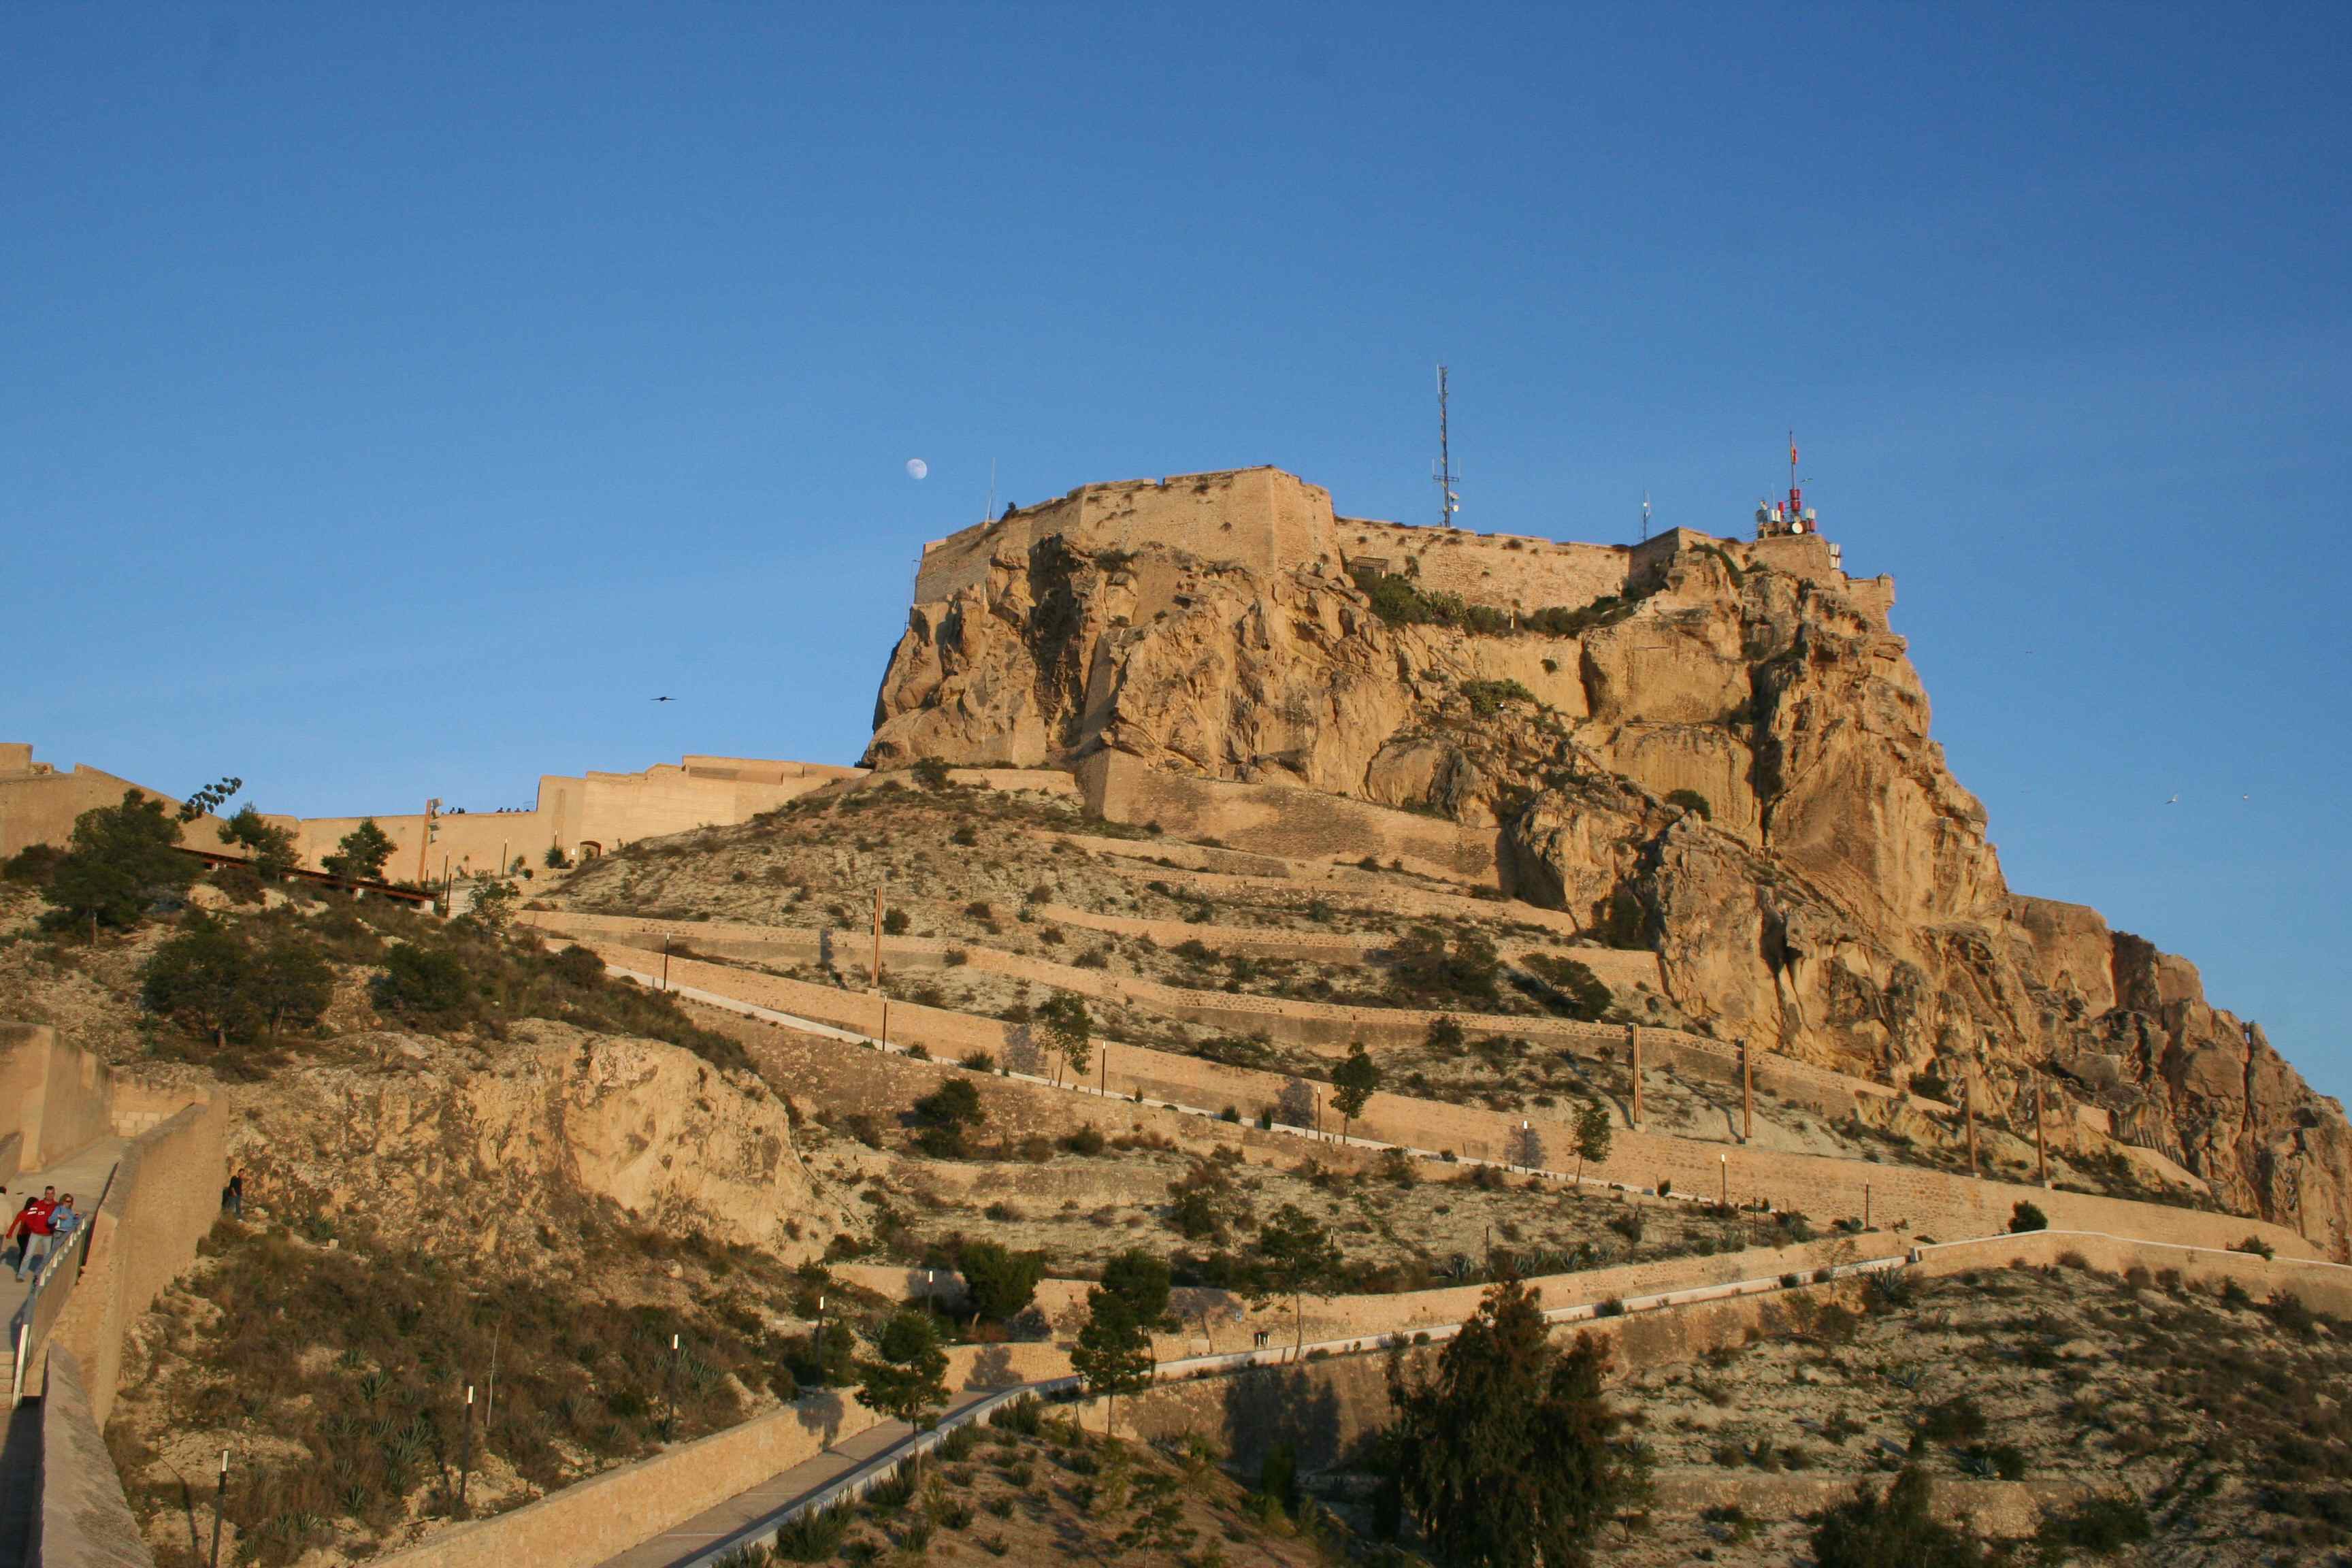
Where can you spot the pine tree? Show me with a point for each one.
(1594, 1132)
(906, 1377)
(1113, 1355)
(1292, 1257)
(361, 854)
(1353, 1083)
(1507, 1454)
(122, 860)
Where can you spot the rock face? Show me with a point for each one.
(485, 1156)
(1722, 756)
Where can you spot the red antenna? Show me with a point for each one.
(1796, 496)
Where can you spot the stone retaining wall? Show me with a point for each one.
(164, 1198)
(56, 1098)
(590, 1521)
(2321, 1286)
(81, 1517)
(1928, 1202)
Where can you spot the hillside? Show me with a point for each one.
(1718, 752)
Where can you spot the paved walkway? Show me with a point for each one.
(84, 1175)
(780, 1492)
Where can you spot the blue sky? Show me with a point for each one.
(397, 397)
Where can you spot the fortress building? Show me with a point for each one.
(1267, 520)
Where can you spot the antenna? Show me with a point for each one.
(1645, 517)
(1448, 503)
(990, 515)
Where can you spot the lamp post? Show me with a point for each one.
(465, 1451)
(1724, 1201)
(220, 1506)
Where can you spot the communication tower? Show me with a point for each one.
(1448, 503)
(1791, 518)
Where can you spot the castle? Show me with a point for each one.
(1267, 519)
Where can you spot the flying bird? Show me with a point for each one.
(2174, 801)
(665, 698)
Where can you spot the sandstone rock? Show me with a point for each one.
(559, 1117)
(1840, 901)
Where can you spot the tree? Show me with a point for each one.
(212, 797)
(419, 982)
(2025, 1216)
(1594, 1133)
(907, 1376)
(290, 982)
(1293, 1256)
(1868, 1529)
(1353, 1083)
(1000, 1283)
(1507, 1454)
(1421, 966)
(555, 860)
(1069, 1028)
(494, 904)
(120, 859)
(1113, 1355)
(1141, 1280)
(270, 849)
(198, 979)
(361, 854)
(1577, 992)
(944, 1116)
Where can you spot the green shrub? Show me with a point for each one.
(2025, 1217)
(1486, 697)
(1692, 801)
(1874, 1531)
(1577, 992)
(2100, 1525)
(421, 983)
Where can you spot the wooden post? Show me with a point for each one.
(1634, 1038)
(877, 939)
(1866, 1206)
(2041, 1142)
(1746, 1096)
(1724, 1201)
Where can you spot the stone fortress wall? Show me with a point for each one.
(1268, 519)
(586, 815)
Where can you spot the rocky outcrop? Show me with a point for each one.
(1726, 762)
(491, 1156)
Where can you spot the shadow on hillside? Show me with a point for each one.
(1273, 1405)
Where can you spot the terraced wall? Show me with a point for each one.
(1928, 1202)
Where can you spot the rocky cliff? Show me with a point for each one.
(499, 1156)
(1726, 759)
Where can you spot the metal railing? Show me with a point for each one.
(52, 1283)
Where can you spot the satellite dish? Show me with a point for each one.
(1797, 527)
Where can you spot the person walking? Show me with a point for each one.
(12, 1241)
(63, 1222)
(35, 1223)
(233, 1196)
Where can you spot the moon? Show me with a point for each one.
(917, 468)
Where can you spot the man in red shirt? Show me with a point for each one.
(34, 1226)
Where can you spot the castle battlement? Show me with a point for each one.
(1269, 521)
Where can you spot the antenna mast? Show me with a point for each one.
(1448, 503)
(1645, 517)
(990, 515)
